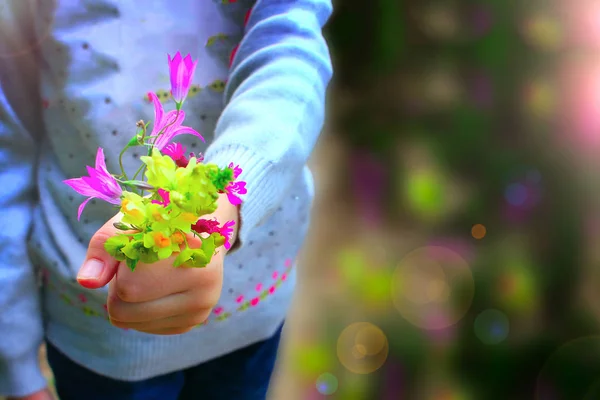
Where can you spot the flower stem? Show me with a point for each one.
(138, 171)
(165, 128)
(123, 173)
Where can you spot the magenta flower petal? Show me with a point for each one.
(206, 226)
(82, 206)
(172, 132)
(237, 171)
(99, 184)
(233, 199)
(181, 72)
(165, 196)
(158, 114)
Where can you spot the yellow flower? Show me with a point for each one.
(161, 244)
(133, 209)
(160, 170)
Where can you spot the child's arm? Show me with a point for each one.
(275, 102)
(20, 315)
(21, 330)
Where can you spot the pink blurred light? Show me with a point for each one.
(581, 21)
(580, 109)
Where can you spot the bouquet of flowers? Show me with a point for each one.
(165, 206)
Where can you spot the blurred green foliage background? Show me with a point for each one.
(466, 266)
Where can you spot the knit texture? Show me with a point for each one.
(74, 76)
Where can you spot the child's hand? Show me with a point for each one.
(157, 298)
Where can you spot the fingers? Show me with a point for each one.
(167, 326)
(99, 267)
(176, 304)
(161, 279)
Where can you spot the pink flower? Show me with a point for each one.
(239, 299)
(227, 232)
(237, 171)
(100, 184)
(272, 289)
(166, 198)
(181, 71)
(259, 287)
(177, 152)
(218, 310)
(275, 275)
(211, 226)
(235, 188)
(254, 301)
(168, 125)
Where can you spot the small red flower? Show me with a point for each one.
(254, 301)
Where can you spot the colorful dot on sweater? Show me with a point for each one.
(255, 301)
(247, 17)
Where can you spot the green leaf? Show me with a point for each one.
(195, 258)
(115, 245)
(122, 227)
(137, 140)
(221, 178)
(138, 185)
(209, 245)
(131, 263)
(219, 239)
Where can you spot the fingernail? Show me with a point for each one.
(91, 269)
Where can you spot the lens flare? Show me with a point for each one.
(327, 384)
(362, 348)
(432, 287)
(572, 371)
(491, 326)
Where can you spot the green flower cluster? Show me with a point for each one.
(164, 224)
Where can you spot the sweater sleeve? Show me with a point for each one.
(275, 102)
(21, 329)
(20, 318)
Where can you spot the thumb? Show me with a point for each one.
(99, 267)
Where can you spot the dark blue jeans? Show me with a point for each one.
(241, 375)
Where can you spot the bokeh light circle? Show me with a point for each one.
(362, 348)
(478, 231)
(516, 194)
(432, 287)
(572, 371)
(543, 32)
(492, 326)
(327, 384)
